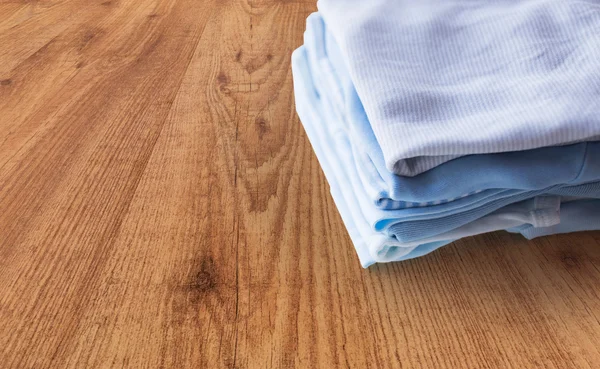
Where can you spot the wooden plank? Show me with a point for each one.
(162, 207)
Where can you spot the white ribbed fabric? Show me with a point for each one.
(441, 79)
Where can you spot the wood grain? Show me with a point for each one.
(162, 208)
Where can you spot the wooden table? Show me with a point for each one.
(161, 207)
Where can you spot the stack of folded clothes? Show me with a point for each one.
(435, 120)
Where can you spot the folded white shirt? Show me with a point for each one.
(441, 79)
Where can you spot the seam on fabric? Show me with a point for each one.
(583, 162)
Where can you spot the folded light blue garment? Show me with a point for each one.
(375, 232)
(577, 216)
(441, 79)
